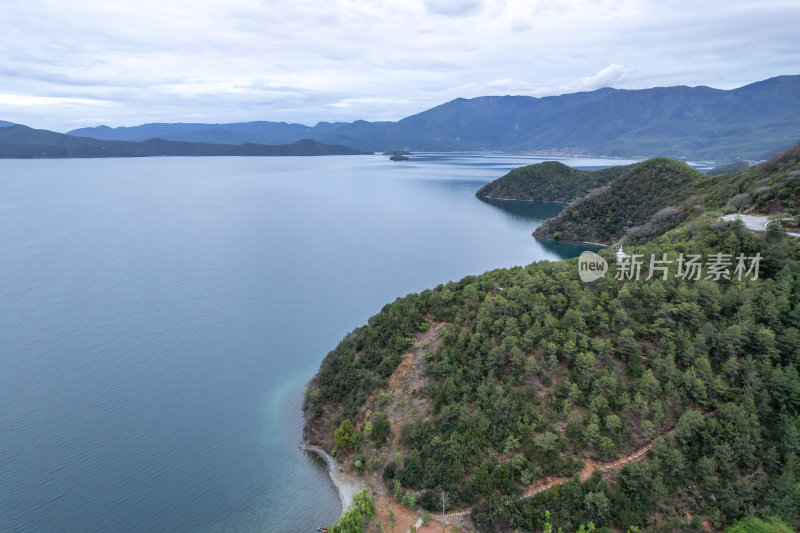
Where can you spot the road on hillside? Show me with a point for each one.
(755, 223)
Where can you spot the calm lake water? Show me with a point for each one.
(160, 317)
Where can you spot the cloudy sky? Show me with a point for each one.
(73, 63)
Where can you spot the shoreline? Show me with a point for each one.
(519, 200)
(347, 486)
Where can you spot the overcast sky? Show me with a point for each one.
(73, 63)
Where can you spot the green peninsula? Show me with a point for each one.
(523, 399)
(550, 181)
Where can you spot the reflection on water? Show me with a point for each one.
(536, 212)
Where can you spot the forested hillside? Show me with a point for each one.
(550, 181)
(631, 199)
(649, 197)
(480, 388)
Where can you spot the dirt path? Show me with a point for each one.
(589, 466)
(404, 517)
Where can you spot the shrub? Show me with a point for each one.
(384, 398)
(409, 500)
(346, 436)
(380, 428)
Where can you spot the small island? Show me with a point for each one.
(397, 156)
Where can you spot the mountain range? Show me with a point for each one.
(681, 122)
(18, 141)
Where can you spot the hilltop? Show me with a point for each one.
(550, 181)
(486, 388)
(640, 200)
(17, 141)
(637, 193)
(680, 122)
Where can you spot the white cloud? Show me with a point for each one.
(607, 77)
(452, 8)
(311, 60)
(361, 102)
(26, 100)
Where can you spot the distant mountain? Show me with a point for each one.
(4, 124)
(682, 122)
(239, 133)
(19, 141)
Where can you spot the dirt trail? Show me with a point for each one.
(589, 466)
(410, 377)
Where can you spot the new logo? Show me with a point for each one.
(591, 267)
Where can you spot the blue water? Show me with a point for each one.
(160, 317)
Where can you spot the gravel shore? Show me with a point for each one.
(346, 484)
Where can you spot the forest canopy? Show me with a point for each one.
(525, 373)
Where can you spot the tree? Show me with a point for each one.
(597, 506)
(704, 471)
(648, 429)
(635, 493)
(606, 446)
(592, 433)
(381, 427)
(532, 366)
(346, 436)
(548, 526)
(409, 500)
(627, 344)
(757, 525)
(613, 423)
(357, 516)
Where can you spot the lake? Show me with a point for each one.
(160, 317)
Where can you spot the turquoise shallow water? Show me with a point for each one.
(160, 317)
